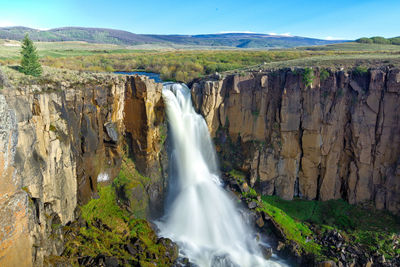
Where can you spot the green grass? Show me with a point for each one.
(333, 213)
(176, 65)
(251, 194)
(293, 229)
(66, 49)
(104, 208)
(185, 65)
(238, 175)
(353, 46)
(372, 229)
(337, 61)
(130, 179)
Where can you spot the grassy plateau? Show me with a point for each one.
(186, 64)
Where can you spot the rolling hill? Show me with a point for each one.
(119, 37)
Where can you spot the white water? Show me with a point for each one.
(103, 177)
(201, 216)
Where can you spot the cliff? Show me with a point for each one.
(315, 134)
(295, 133)
(61, 135)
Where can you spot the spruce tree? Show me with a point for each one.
(30, 60)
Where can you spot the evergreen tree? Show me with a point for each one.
(30, 60)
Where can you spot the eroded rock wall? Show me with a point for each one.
(60, 148)
(56, 138)
(145, 130)
(337, 138)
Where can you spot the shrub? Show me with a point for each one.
(324, 74)
(360, 70)
(30, 60)
(308, 77)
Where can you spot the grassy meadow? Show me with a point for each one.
(184, 64)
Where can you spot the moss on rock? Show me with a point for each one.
(108, 231)
(361, 229)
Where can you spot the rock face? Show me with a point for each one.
(337, 138)
(146, 133)
(56, 138)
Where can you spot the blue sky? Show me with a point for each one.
(335, 19)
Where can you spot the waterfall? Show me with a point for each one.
(201, 216)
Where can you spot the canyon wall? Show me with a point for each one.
(337, 137)
(57, 136)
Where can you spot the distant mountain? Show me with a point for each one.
(109, 36)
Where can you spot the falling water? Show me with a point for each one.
(201, 216)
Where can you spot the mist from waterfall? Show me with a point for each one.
(201, 217)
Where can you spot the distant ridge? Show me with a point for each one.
(119, 37)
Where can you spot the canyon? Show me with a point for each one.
(336, 137)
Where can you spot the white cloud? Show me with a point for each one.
(5, 23)
(286, 34)
(330, 38)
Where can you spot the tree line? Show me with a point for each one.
(379, 40)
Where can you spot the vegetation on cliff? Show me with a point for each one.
(317, 231)
(109, 232)
(374, 231)
(308, 77)
(328, 230)
(128, 184)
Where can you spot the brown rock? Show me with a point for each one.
(244, 187)
(280, 246)
(260, 221)
(340, 136)
(327, 264)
